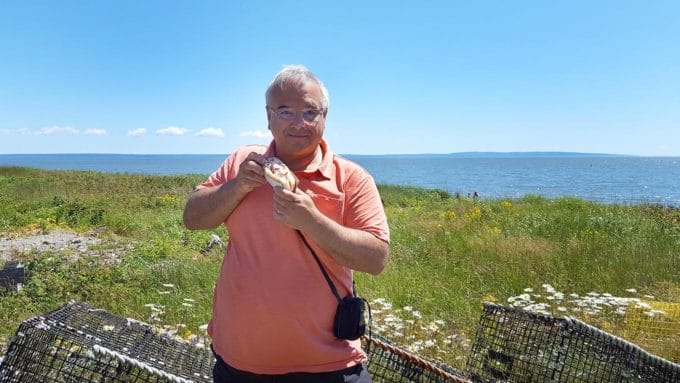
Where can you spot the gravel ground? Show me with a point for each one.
(63, 242)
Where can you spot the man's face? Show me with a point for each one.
(299, 136)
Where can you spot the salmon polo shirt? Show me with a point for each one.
(272, 308)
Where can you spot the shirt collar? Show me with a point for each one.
(325, 168)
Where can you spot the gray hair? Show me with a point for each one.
(296, 74)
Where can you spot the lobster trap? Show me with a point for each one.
(513, 345)
(76, 343)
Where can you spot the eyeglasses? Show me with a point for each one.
(309, 115)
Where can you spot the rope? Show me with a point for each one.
(415, 360)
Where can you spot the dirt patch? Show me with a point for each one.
(72, 245)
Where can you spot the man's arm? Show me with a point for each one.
(208, 208)
(357, 249)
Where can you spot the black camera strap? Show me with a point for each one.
(323, 270)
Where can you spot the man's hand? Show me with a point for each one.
(208, 208)
(250, 173)
(295, 209)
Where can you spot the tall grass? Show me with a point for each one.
(447, 254)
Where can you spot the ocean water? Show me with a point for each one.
(609, 179)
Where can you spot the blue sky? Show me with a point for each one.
(403, 76)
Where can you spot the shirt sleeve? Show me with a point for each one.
(222, 175)
(364, 208)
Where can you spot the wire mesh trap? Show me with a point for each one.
(76, 343)
(12, 276)
(512, 345)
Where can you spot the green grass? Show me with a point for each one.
(447, 254)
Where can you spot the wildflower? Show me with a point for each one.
(203, 327)
(631, 290)
(417, 314)
(187, 304)
(164, 292)
(649, 296)
(168, 285)
(189, 300)
(433, 327)
(524, 297)
(408, 308)
(528, 290)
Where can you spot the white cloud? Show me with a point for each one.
(136, 132)
(211, 132)
(95, 132)
(56, 130)
(255, 133)
(172, 131)
(15, 131)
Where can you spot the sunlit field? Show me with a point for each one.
(613, 266)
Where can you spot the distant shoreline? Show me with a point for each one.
(533, 154)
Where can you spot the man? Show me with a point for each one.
(272, 308)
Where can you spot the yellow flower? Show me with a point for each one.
(449, 214)
(474, 214)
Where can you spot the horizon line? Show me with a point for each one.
(464, 153)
